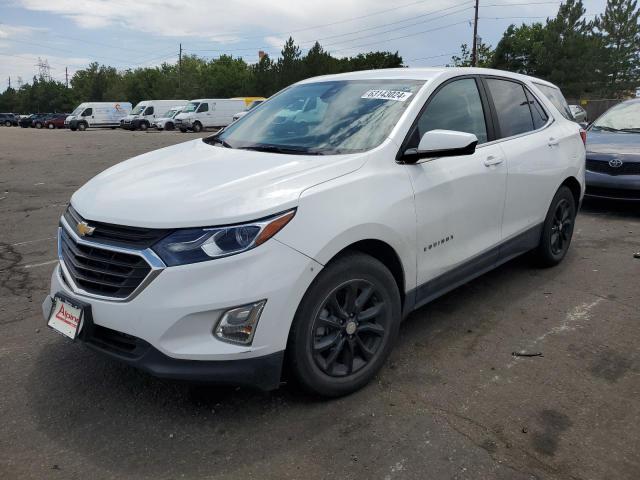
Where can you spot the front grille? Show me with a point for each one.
(602, 166)
(615, 193)
(100, 271)
(118, 235)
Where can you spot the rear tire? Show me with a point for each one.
(345, 326)
(51, 126)
(183, 130)
(557, 229)
(7, 123)
(38, 125)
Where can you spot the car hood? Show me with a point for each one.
(195, 184)
(609, 145)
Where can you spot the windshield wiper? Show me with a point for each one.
(216, 139)
(606, 129)
(281, 149)
(632, 129)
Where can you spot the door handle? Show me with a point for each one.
(553, 142)
(492, 160)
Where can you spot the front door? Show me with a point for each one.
(459, 200)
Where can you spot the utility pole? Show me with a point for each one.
(9, 81)
(180, 69)
(66, 77)
(474, 49)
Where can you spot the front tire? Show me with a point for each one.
(7, 123)
(82, 126)
(557, 229)
(197, 127)
(144, 126)
(345, 326)
(168, 126)
(51, 126)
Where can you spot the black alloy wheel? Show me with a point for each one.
(557, 229)
(345, 326)
(348, 330)
(562, 227)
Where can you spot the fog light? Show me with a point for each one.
(238, 325)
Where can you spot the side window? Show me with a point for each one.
(149, 111)
(456, 106)
(555, 96)
(204, 107)
(540, 117)
(512, 107)
(88, 112)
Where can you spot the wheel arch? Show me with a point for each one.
(382, 252)
(576, 189)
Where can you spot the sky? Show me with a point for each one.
(69, 34)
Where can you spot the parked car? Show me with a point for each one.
(316, 232)
(27, 121)
(579, 113)
(144, 114)
(39, 122)
(97, 114)
(166, 122)
(55, 120)
(8, 119)
(613, 153)
(207, 113)
(239, 115)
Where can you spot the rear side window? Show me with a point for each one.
(555, 96)
(512, 107)
(456, 106)
(204, 107)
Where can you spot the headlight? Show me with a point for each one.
(192, 245)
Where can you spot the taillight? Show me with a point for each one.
(583, 136)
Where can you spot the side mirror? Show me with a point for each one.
(442, 143)
(583, 124)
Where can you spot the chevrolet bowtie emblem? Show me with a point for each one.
(83, 229)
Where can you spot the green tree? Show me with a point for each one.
(485, 56)
(619, 32)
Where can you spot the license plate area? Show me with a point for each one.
(67, 315)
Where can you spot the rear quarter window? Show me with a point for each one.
(556, 97)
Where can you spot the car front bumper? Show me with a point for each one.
(167, 329)
(614, 187)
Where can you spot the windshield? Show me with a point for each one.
(77, 111)
(170, 113)
(622, 117)
(191, 107)
(139, 108)
(324, 117)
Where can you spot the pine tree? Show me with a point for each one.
(619, 32)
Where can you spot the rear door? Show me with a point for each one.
(459, 200)
(530, 140)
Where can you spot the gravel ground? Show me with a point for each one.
(452, 401)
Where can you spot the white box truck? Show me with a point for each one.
(97, 114)
(145, 113)
(207, 113)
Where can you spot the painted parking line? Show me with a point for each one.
(32, 241)
(42, 264)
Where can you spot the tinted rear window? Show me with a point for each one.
(512, 107)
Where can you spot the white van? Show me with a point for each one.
(97, 114)
(146, 112)
(208, 112)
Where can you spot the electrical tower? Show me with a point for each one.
(44, 70)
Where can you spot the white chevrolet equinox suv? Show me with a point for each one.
(298, 238)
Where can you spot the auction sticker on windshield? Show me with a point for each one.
(397, 95)
(65, 318)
